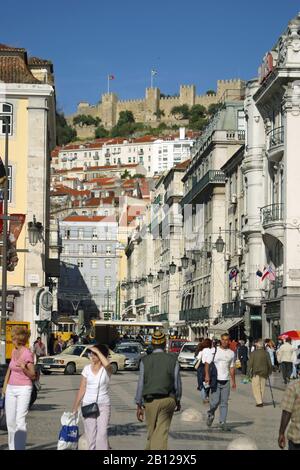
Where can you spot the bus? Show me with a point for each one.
(9, 326)
(110, 331)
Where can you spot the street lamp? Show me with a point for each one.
(220, 243)
(172, 268)
(150, 277)
(160, 275)
(184, 261)
(130, 285)
(124, 285)
(35, 230)
(143, 281)
(136, 284)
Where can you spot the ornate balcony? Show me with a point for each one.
(276, 144)
(233, 309)
(194, 314)
(140, 301)
(212, 177)
(154, 310)
(272, 220)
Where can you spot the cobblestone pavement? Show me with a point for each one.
(125, 432)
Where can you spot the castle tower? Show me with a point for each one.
(152, 104)
(187, 94)
(108, 109)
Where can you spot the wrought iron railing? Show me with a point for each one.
(211, 177)
(233, 309)
(194, 314)
(276, 137)
(271, 213)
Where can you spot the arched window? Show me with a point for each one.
(6, 109)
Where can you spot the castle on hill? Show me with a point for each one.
(154, 108)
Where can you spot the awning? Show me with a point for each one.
(225, 325)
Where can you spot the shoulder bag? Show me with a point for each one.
(92, 410)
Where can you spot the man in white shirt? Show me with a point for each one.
(223, 359)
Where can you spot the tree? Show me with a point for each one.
(125, 175)
(210, 92)
(198, 115)
(180, 112)
(86, 120)
(213, 108)
(138, 175)
(101, 132)
(64, 132)
(159, 113)
(125, 117)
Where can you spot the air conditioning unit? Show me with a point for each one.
(227, 257)
(233, 199)
(239, 251)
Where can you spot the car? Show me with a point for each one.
(133, 352)
(175, 345)
(73, 359)
(186, 356)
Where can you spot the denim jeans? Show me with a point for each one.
(220, 398)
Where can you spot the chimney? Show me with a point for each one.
(182, 133)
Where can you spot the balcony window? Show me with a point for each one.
(94, 248)
(94, 263)
(80, 263)
(108, 263)
(107, 281)
(94, 281)
(80, 249)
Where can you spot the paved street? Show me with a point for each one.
(58, 392)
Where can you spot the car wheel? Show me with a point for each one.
(46, 372)
(70, 369)
(114, 368)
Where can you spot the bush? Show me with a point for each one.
(64, 132)
(101, 132)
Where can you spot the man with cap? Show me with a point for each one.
(158, 392)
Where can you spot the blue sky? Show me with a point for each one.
(191, 41)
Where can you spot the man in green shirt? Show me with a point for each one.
(260, 368)
(158, 393)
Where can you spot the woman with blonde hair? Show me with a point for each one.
(17, 388)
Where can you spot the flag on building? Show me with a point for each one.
(153, 72)
(259, 273)
(233, 274)
(111, 77)
(269, 272)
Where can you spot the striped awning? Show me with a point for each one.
(225, 325)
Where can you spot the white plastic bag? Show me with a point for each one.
(69, 433)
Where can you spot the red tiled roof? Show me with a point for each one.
(103, 181)
(73, 192)
(182, 165)
(86, 218)
(14, 69)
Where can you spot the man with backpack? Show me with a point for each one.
(219, 372)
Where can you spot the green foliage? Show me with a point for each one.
(162, 126)
(213, 108)
(180, 112)
(125, 175)
(159, 113)
(210, 92)
(198, 115)
(86, 120)
(64, 132)
(101, 132)
(138, 175)
(125, 117)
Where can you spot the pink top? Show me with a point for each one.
(17, 376)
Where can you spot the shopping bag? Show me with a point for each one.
(69, 433)
(238, 364)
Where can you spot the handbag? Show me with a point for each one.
(238, 364)
(2, 402)
(92, 410)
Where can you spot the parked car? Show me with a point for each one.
(186, 356)
(175, 345)
(133, 352)
(73, 359)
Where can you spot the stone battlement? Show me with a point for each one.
(146, 109)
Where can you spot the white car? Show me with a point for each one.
(186, 356)
(73, 359)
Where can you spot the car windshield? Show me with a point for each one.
(73, 350)
(176, 344)
(127, 349)
(189, 348)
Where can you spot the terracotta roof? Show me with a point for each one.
(103, 181)
(14, 65)
(182, 165)
(73, 192)
(86, 218)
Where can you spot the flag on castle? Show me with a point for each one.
(111, 77)
(269, 272)
(153, 72)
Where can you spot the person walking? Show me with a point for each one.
(260, 368)
(290, 414)
(202, 386)
(270, 348)
(158, 392)
(219, 372)
(242, 355)
(18, 388)
(94, 388)
(59, 345)
(39, 349)
(285, 358)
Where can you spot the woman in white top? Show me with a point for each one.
(94, 387)
(203, 347)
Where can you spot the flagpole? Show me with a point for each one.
(151, 80)
(107, 83)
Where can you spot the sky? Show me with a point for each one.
(187, 42)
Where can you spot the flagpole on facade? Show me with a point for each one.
(108, 83)
(151, 79)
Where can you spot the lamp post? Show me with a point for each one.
(5, 120)
(35, 230)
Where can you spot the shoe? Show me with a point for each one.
(224, 427)
(260, 405)
(209, 420)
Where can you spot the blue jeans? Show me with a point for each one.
(220, 398)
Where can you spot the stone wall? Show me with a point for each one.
(145, 110)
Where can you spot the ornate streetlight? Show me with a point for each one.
(35, 230)
(172, 268)
(184, 261)
(160, 275)
(150, 277)
(220, 243)
(136, 284)
(143, 281)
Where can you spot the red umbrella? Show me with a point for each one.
(293, 334)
